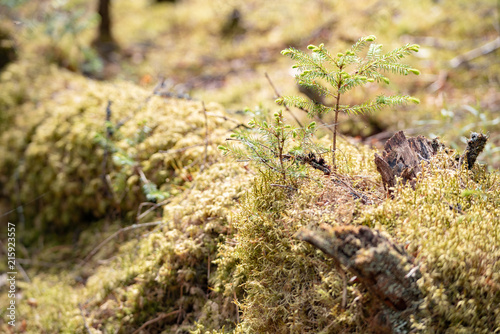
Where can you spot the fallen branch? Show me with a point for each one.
(153, 207)
(383, 267)
(475, 53)
(84, 320)
(279, 96)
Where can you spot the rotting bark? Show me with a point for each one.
(383, 267)
(402, 156)
(475, 145)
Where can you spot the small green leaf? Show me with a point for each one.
(371, 38)
(414, 47)
(222, 148)
(414, 71)
(311, 47)
(386, 80)
(414, 100)
(340, 54)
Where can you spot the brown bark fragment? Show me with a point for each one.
(401, 158)
(475, 145)
(382, 266)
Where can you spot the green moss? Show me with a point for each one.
(171, 269)
(451, 223)
(284, 285)
(50, 153)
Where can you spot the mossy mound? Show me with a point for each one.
(56, 154)
(223, 240)
(451, 223)
(287, 286)
(225, 257)
(167, 275)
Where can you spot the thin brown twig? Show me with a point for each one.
(112, 236)
(283, 186)
(228, 119)
(364, 197)
(208, 273)
(84, 320)
(182, 149)
(237, 307)
(279, 96)
(475, 53)
(152, 321)
(206, 136)
(18, 265)
(153, 207)
(31, 262)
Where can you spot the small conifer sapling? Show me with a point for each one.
(275, 145)
(334, 75)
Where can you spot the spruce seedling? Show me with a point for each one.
(275, 145)
(343, 72)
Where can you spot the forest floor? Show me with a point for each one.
(184, 75)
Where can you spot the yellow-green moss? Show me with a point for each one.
(451, 223)
(50, 154)
(284, 285)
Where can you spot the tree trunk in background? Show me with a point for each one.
(105, 25)
(104, 41)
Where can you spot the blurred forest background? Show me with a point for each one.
(220, 51)
(87, 150)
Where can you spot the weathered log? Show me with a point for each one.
(383, 267)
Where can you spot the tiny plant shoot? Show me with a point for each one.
(276, 145)
(343, 72)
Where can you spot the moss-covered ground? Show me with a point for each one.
(87, 150)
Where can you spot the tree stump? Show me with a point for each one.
(402, 156)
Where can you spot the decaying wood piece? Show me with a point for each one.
(402, 156)
(382, 266)
(475, 145)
